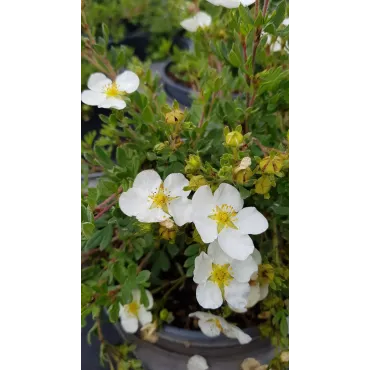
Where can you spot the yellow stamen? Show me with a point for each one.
(133, 308)
(111, 91)
(220, 275)
(224, 216)
(161, 199)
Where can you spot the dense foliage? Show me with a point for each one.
(235, 132)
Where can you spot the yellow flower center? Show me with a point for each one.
(111, 91)
(220, 275)
(161, 198)
(133, 308)
(225, 216)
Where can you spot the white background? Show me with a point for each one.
(40, 184)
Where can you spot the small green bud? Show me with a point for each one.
(167, 234)
(164, 314)
(193, 163)
(234, 139)
(159, 147)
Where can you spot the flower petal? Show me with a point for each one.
(145, 317)
(243, 270)
(247, 2)
(93, 98)
(190, 24)
(235, 244)
(181, 210)
(113, 103)
(250, 221)
(147, 181)
(203, 19)
(257, 256)
(209, 327)
(202, 268)
(230, 4)
(264, 291)
(253, 296)
(130, 324)
(152, 215)
(174, 184)
(232, 331)
(203, 204)
(128, 81)
(209, 295)
(227, 194)
(133, 202)
(197, 362)
(236, 294)
(218, 256)
(202, 315)
(98, 81)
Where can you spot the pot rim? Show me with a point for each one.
(169, 81)
(195, 338)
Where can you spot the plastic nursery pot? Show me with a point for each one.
(183, 94)
(175, 346)
(175, 90)
(138, 40)
(94, 122)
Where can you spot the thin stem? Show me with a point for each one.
(275, 241)
(119, 191)
(144, 261)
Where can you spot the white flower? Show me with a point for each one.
(133, 313)
(286, 22)
(107, 94)
(220, 277)
(231, 3)
(200, 20)
(257, 292)
(222, 215)
(151, 200)
(197, 362)
(212, 326)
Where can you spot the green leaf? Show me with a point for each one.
(147, 114)
(105, 31)
(100, 49)
(142, 277)
(279, 15)
(190, 271)
(164, 261)
(103, 158)
(190, 261)
(113, 312)
(88, 229)
(235, 59)
(244, 193)
(284, 327)
(173, 249)
(95, 240)
(191, 250)
(106, 237)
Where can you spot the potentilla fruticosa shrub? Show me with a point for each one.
(188, 225)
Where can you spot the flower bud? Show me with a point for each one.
(163, 314)
(263, 185)
(196, 182)
(271, 164)
(265, 274)
(159, 147)
(234, 139)
(149, 332)
(145, 227)
(193, 163)
(167, 234)
(241, 177)
(175, 116)
(252, 364)
(168, 224)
